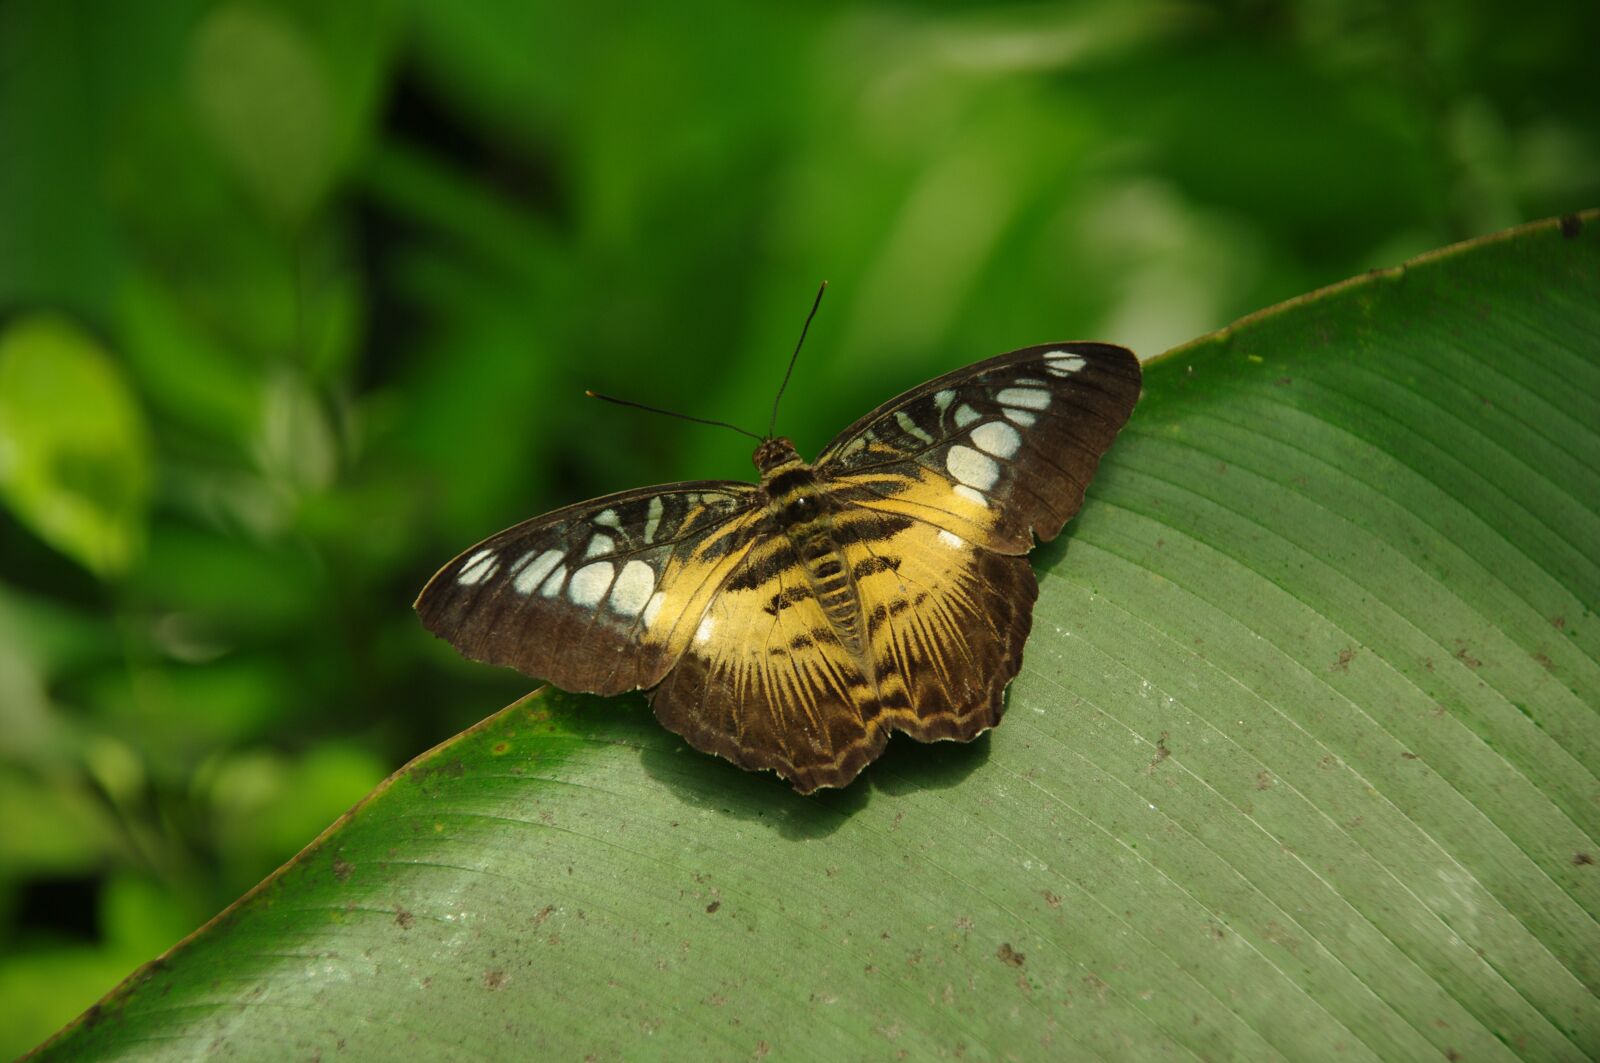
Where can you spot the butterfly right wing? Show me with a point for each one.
(998, 452)
(601, 597)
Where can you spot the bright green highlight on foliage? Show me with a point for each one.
(74, 454)
(1301, 762)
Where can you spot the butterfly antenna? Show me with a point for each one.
(671, 413)
(803, 329)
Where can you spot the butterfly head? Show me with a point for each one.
(773, 454)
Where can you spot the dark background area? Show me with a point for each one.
(299, 299)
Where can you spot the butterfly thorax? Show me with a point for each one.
(799, 504)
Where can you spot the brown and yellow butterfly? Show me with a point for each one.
(793, 624)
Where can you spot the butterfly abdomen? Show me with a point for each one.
(802, 508)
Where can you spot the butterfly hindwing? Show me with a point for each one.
(766, 683)
(946, 622)
(998, 453)
(600, 596)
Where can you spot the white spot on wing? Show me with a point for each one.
(909, 427)
(1063, 363)
(703, 632)
(965, 415)
(976, 497)
(600, 546)
(589, 583)
(478, 568)
(552, 586)
(997, 438)
(1022, 417)
(654, 520)
(632, 590)
(1027, 398)
(536, 571)
(607, 518)
(943, 399)
(971, 467)
(951, 539)
(654, 607)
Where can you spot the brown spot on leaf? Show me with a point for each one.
(1468, 659)
(500, 748)
(342, 868)
(1009, 955)
(711, 909)
(1580, 859)
(403, 919)
(1571, 226)
(1263, 780)
(1051, 899)
(1408, 754)
(1162, 752)
(1559, 622)
(1346, 655)
(494, 979)
(1544, 661)
(542, 914)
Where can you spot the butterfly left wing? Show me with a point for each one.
(998, 453)
(602, 596)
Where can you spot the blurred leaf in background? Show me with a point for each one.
(74, 457)
(323, 283)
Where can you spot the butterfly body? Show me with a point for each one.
(802, 508)
(795, 623)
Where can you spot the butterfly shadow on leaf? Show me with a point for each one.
(766, 800)
(719, 787)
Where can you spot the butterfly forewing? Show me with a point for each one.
(998, 453)
(601, 596)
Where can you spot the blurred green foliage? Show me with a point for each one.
(297, 299)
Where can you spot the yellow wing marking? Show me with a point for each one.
(928, 496)
(689, 585)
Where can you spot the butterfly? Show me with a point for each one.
(791, 625)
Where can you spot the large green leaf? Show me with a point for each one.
(1302, 762)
